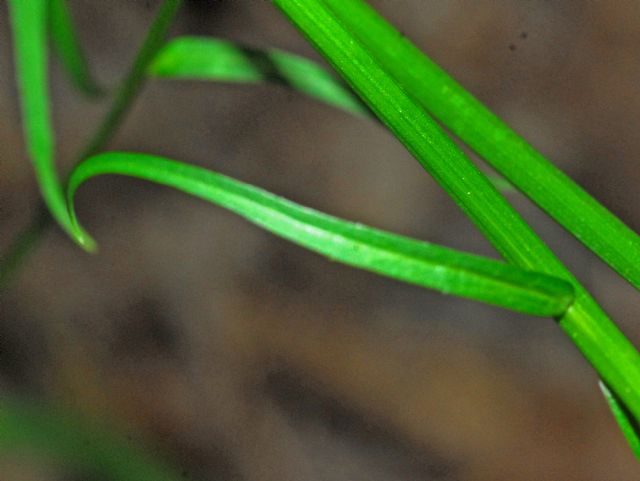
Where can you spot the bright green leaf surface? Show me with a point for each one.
(623, 417)
(68, 47)
(492, 139)
(602, 343)
(212, 59)
(395, 256)
(29, 23)
(75, 442)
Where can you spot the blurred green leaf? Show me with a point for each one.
(205, 58)
(76, 442)
(399, 257)
(67, 45)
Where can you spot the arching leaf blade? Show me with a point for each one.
(29, 22)
(395, 256)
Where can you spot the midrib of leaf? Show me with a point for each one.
(399, 257)
(601, 342)
(546, 185)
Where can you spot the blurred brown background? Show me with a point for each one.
(238, 356)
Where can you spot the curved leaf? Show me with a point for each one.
(76, 442)
(29, 23)
(207, 58)
(395, 256)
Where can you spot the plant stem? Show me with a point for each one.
(130, 86)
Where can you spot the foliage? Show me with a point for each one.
(408, 93)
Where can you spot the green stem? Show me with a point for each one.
(30, 237)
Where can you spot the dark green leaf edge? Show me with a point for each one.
(628, 425)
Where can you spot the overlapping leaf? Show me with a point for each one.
(584, 217)
(327, 27)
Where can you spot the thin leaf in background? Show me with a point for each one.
(628, 425)
(399, 257)
(67, 46)
(79, 444)
(206, 58)
(29, 26)
(546, 185)
(597, 337)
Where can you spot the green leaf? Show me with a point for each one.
(392, 255)
(29, 23)
(77, 443)
(628, 425)
(598, 338)
(204, 58)
(67, 45)
(546, 185)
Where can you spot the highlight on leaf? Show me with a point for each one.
(205, 58)
(395, 256)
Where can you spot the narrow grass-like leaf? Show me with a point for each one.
(628, 425)
(29, 26)
(205, 58)
(399, 257)
(77, 443)
(572, 207)
(67, 45)
(598, 338)
(135, 78)
(125, 94)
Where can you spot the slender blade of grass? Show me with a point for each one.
(398, 257)
(546, 185)
(67, 46)
(29, 27)
(205, 58)
(131, 84)
(628, 425)
(79, 443)
(597, 337)
(213, 59)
